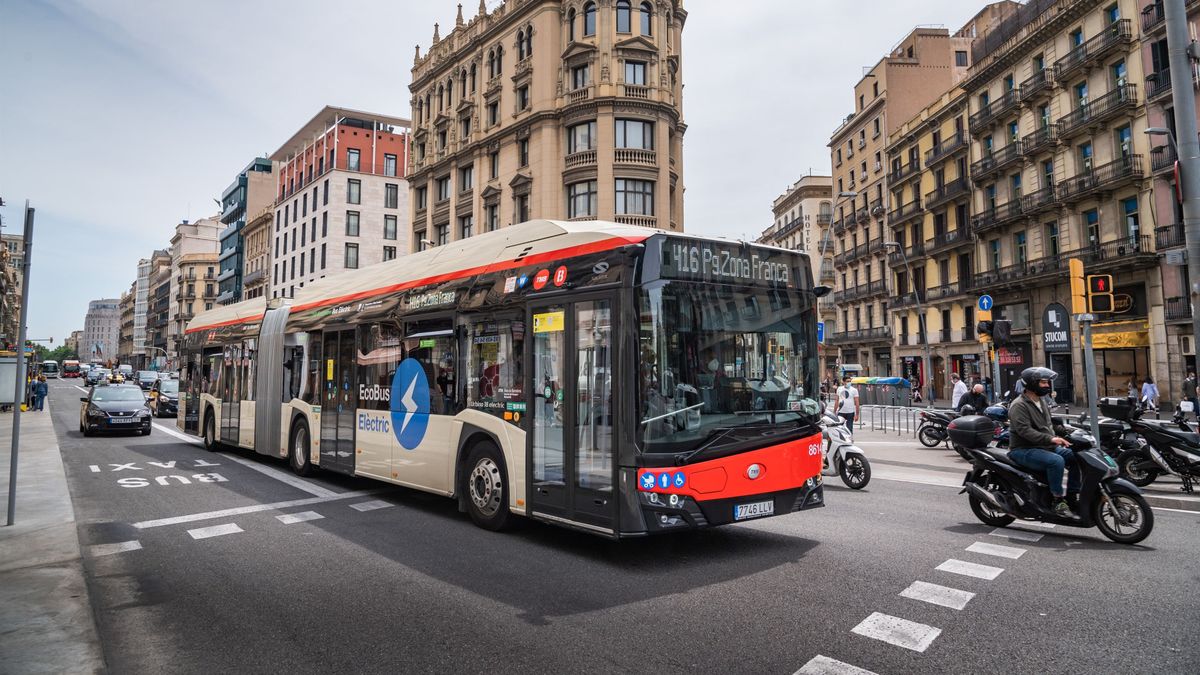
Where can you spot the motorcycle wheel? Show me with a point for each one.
(1132, 512)
(1128, 462)
(930, 437)
(856, 472)
(986, 513)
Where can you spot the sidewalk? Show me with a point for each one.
(46, 622)
(902, 457)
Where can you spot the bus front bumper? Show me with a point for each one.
(669, 513)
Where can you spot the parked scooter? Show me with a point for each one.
(932, 431)
(1170, 447)
(841, 456)
(1001, 491)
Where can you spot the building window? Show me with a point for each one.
(492, 214)
(635, 72)
(389, 165)
(521, 204)
(580, 76)
(352, 223)
(1091, 221)
(441, 139)
(351, 256)
(466, 178)
(523, 97)
(1051, 240)
(523, 152)
(493, 113)
(635, 197)
(494, 165)
(443, 188)
(589, 19)
(464, 128)
(960, 59)
(646, 18)
(581, 137)
(352, 159)
(994, 250)
(442, 234)
(322, 256)
(1019, 248)
(624, 16)
(389, 227)
(389, 252)
(581, 199)
(571, 25)
(635, 134)
(1132, 224)
(521, 44)
(420, 240)
(353, 191)
(466, 226)
(422, 194)
(391, 196)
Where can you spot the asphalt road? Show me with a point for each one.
(365, 577)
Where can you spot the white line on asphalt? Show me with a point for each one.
(943, 596)
(214, 531)
(303, 516)
(970, 569)
(209, 515)
(823, 665)
(946, 484)
(1010, 552)
(177, 434)
(1017, 535)
(94, 467)
(1163, 508)
(1035, 523)
(371, 505)
(119, 547)
(896, 631)
(80, 388)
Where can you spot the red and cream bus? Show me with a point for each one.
(610, 378)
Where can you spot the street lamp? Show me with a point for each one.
(841, 197)
(920, 319)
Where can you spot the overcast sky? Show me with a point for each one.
(119, 118)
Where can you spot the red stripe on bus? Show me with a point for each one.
(780, 467)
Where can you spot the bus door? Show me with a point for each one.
(339, 398)
(231, 401)
(570, 447)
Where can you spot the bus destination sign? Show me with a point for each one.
(728, 263)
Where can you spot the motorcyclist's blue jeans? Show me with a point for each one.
(1052, 462)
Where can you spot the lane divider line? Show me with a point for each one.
(1016, 535)
(371, 505)
(896, 631)
(970, 569)
(215, 531)
(934, 594)
(100, 550)
(1010, 552)
(302, 517)
(823, 665)
(275, 506)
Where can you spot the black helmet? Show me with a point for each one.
(1032, 378)
(967, 410)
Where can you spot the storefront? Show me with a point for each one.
(1056, 342)
(968, 366)
(1012, 359)
(1122, 361)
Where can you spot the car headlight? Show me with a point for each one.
(95, 412)
(144, 412)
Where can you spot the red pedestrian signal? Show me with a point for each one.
(1100, 293)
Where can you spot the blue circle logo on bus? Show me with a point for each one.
(664, 480)
(410, 403)
(679, 479)
(647, 481)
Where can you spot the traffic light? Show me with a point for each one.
(1099, 291)
(1079, 304)
(985, 328)
(1002, 332)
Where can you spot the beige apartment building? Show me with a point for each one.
(1060, 170)
(563, 109)
(125, 340)
(195, 250)
(256, 273)
(922, 67)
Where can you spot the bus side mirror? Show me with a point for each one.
(83, 399)
(822, 290)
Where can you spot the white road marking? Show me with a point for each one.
(274, 506)
(94, 467)
(214, 531)
(371, 505)
(1010, 552)
(303, 516)
(823, 665)
(1163, 508)
(1038, 523)
(943, 596)
(281, 476)
(1017, 535)
(119, 547)
(80, 388)
(970, 569)
(896, 631)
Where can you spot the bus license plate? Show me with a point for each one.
(754, 510)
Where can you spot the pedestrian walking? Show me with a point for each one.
(1149, 393)
(849, 406)
(960, 390)
(40, 391)
(1189, 392)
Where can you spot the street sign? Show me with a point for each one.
(985, 303)
(821, 332)
(1056, 329)
(1176, 257)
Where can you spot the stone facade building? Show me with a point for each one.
(256, 274)
(101, 330)
(193, 280)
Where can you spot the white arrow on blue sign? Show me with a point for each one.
(821, 332)
(985, 302)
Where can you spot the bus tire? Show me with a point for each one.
(210, 433)
(484, 482)
(299, 448)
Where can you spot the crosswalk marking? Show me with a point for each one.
(214, 531)
(1038, 523)
(99, 550)
(970, 569)
(896, 631)
(943, 596)
(303, 516)
(823, 665)
(1010, 552)
(1017, 535)
(371, 505)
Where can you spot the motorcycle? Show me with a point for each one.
(932, 430)
(1000, 491)
(840, 456)
(1171, 448)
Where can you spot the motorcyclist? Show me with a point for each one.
(977, 399)
(1037, 443)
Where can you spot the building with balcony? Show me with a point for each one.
(1168, 231)
(141, 307)
(102, 330)
(192, 283)
(252, 191)
(256, 238)
(1060, 170)
(561, 109)
(11, 282)
(158, 314)
(936, 243)
(921, 68)
(341, 199)
(74, 342)
(125, 339)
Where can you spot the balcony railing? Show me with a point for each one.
(641, 221)
(860, 291)
(997, 216)
(1158, 84)
(945, 291)
(1009, 100)
(948, 238)
(946, 148)
(1133, 250)
(1177, 309)
(1114, 173)
(905, 211)
(1153, 17)
(863, 335)
(1039, 199)
(1039, 82)
(1099, 110)
(824, 218)
(635, 157)
(1169, 236)
(1162, 158)
(581, 158)
(904, 171)
(997, 160)
(913, 251)
(906, 298)
(1045, 137)
(1118, 33)
(945, 193)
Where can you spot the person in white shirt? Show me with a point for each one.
(960, 390)
(848, 404)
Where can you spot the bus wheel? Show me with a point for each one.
(298, 454)
(484, 483)
(210, 433)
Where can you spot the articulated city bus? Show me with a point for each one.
(614, 379)
(71, 368)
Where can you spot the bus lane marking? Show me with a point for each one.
(302, 517)
(1010, 552)
(214, 531)
(256, 508)
(1016, 535)
(823, 665)
(942, 596)
(896, 631)
(370, 506)
(100, 550)
(970, 569)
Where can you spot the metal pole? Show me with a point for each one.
(1178, 46)
(1089, 367)
(996, 394)
(21, 332)
(921, 327)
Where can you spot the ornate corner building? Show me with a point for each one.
(561, 109)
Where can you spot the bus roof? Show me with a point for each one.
(526, 244)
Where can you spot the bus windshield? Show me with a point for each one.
(715, 357)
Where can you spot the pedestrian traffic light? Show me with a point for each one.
(984, 328)
(1099, 292)
(1002, 332)
(1079, 303)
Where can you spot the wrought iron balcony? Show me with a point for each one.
(1158, 84)
(1127, 251)
(907, 298)
(1045, 137)
(1039, 199)
(905, 211)
(1162, 159)
(946, 291)
(1123, 98)
(1177, 309)
(1123, 170)
(1024, 274)
(997, 216)
(824, 218)
(946, 148)
(997, 160)
(1169, 236)
(943, 194)
(913, 251)
(904, 171)
(1009, 100)
(839, 226)
(863, 335)
(1039, 82)
(948, 239)
(1153, 18)
(1118, 33)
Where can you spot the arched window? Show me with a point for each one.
(529, 41)
(462, 83)
(450, 92)
(499, 59)
(428, 103)
(441, 98)
(521, 44)
(491, 63)
(472, 78)
(571, 25)
(589, 19)
(647, 14)
(623, 16)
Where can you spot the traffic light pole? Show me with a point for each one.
(995, 373)
(1089, 371)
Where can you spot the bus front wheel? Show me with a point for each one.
(298, 457)
(210, 434)
(485, 485)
